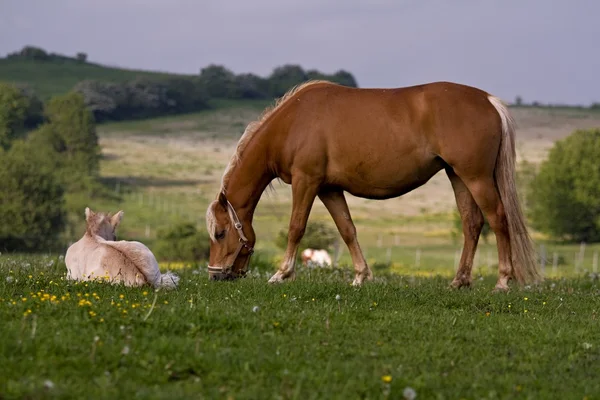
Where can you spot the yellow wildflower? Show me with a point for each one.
(386, 378)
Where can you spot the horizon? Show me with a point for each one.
(537, 51)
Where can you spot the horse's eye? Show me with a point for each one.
(220, 235)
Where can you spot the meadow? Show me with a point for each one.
(317, 337)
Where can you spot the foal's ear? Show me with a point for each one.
(88, 213)
(222, 200)
(116, 219)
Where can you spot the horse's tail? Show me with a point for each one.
(523, 255)
(145, 262)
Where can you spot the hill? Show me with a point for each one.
(49, 78)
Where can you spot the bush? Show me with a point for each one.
(32, 206)
(318, 235)
(565, 194)
(182, 242)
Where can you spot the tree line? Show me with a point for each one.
(151, 96)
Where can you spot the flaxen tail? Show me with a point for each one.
(145, 262)
(525, 267)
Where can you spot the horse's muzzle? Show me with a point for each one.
(217, 274)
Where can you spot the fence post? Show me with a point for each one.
(418, 257)
(543, 259)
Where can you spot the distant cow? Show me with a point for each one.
(313, 257)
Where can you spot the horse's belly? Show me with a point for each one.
(383, 180)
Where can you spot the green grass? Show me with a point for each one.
(204, 340)
(50, 78)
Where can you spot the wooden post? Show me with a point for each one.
(542, 259)
(554, 263)
(388, 255)
(418, 257)
(581, 254)
(595, 262)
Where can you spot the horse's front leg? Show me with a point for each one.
(336, 204)
(304, 192)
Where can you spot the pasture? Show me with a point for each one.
(248, 339)
(317, 337)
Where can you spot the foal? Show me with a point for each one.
(97, 255)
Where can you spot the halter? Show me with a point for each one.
(243, 243)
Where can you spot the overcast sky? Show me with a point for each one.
(545, 50)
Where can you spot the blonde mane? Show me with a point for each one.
(255, 125)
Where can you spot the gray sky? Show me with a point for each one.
(545, 50)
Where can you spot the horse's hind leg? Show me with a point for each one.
(487, 197)
(472, 223)
(304, 192)
(335, 202)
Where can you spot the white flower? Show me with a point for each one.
(338, 297)
(9, 279)
(48, 384)
(125, 350)
(409, 393)
(255, 309)
(587, 346)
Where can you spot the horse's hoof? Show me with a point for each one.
(457, 284)
(279, 277)
(501, 289)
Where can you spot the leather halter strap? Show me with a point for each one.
(243, 243)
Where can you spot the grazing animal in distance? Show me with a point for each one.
(316, 257)
(325, 139)
(98, 256)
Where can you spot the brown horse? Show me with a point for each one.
(324, 139)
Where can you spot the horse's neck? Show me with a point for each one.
(249, 179)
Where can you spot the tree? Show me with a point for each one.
(13, 113)
(565, 194)
(218, 81)
(32, 207)
(285, 77)
(81, 57)
(73, 125)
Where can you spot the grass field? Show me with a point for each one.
(317, 337)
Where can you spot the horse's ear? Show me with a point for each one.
(116, 219)
(222, 200)
(88, 213)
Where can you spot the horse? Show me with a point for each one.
(325, 139)
(315, 257)
(99, 256)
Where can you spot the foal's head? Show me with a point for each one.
(102, 224)
(231, 243)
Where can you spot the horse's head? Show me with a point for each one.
(231, 243)
(102, 224)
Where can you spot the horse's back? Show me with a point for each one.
(381, 143)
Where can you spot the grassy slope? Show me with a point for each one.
(204, 340)
(51, 78)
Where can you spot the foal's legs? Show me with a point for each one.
(487, 197)
(472, 222)
(303, 195)
(338, 208)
